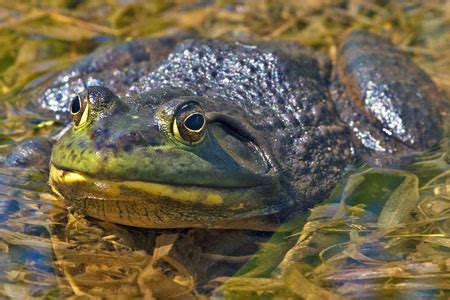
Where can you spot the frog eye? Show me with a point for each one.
(79, 110)
(189, 124)
(194, 122)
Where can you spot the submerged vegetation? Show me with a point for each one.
(382, 232)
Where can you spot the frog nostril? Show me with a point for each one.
(133, 137)
(138, 138)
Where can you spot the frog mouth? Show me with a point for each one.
(69, 184)
(160, 205)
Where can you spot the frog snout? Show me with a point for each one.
(137, 138)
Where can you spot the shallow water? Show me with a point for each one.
(382, 232)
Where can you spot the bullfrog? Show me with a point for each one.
(180, 132)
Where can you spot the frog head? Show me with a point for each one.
(165, 159)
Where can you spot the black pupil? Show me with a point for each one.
(194, 121)
(76, 105)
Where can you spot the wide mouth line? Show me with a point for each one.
(172, 184)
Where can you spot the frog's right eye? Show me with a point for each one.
(79, 110)
(189, 124)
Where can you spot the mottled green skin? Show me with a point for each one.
(278, 146)
(122, 142)
(125, 142)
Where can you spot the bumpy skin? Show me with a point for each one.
(389, 103)
(116, 67)
(284, 149)
(280, 93)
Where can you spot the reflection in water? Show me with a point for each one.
(384, 235)
(383, 232)
(25, 247)
(47, 251)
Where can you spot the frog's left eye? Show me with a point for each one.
(189, 123)
(79, 110)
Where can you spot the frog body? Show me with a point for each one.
(175, 133)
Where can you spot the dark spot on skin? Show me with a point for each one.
(113, 148)
(100, 133)
(128, 148)
(154, 140)
(98, 144)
